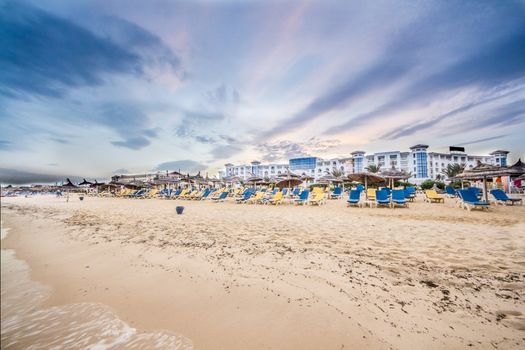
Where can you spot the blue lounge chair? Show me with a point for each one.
(470, 200)
(501, 197)
(451, 192)
(388, 190)
(303, 197)
(410, 193)
(176, 193)
(245, 196)
(222, 197)
(382, 198)
(398, 198)
(360, 187)
(354, 197)
(337, 193)
(476, 191)
(285, 191)
(296, 191)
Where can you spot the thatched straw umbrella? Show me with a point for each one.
(394, 174)
(84, 183)
(366, 178)
(288, 179)
(519, 167)
(254, 180)
(483, 171)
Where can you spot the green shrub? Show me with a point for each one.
(427, 184)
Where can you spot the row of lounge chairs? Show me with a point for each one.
(378, 198)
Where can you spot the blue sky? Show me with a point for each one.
(94, 87)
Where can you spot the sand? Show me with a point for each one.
(228, 276)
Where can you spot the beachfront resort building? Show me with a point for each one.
(418, 161)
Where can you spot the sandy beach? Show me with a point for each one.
(227, 276)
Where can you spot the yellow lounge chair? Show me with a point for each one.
(318, 198)
(371, 193)
(433, 197)
(277, 198)
(258, 196)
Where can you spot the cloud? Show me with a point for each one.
(43, 54)
(21, 177)
(428, 123)
(222, 96)
(284, 150)
(494, 65)
(128, 121)
(134, 143)
(225, 151)
(485, 139)
(59, 140)
(204, 139)
(185, 166)
(5, 145)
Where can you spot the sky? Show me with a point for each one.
(94, 88)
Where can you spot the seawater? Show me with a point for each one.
(26, 324)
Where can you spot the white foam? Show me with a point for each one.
(95, 326)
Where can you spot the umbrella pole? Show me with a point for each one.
(366, 187)
(485, 188)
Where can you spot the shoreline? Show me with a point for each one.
(262, 288)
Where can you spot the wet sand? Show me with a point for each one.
(232, 276)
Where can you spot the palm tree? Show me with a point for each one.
(452, 170)
(372, 168)
(336, 173)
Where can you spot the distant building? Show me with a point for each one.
(419, 162)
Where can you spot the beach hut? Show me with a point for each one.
(483, 171)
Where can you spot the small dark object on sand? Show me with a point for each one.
(179, 210)
(81, 198)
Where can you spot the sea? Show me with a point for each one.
(27, 324)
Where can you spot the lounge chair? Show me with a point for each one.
(410, 193)
(381, 198)
(433, 197)
(303, 198)
(337, 193)
(476, 191)
(371, 194)
(318, 199)
(221, 198)
(246, 195)
(398, 198)
(296, 191)
(469, 200)
(285, 191)
(451, 192)
(276, 199)
(502, 198)
(255, 199)
(354, 198)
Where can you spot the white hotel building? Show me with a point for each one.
(421, 163)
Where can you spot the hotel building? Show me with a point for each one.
(418, 161)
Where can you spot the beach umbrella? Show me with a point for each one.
(329, 179)
(366, 178)
(288, 182)
(394, 174)
(84, 183)
(254, 180)
(483, 171)
(68, 184)
(519, 167)
(288, 179)
(307, 178)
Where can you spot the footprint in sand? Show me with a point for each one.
(511, 318)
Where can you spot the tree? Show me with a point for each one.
(452, 170)
(372, 168)
(337, 173)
